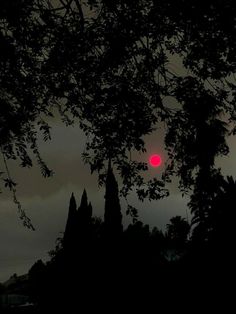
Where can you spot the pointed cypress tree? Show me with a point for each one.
(70, 230)
(84, 210)
(112, 216)
(84, 218)
(84, 200)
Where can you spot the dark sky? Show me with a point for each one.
(46, 200)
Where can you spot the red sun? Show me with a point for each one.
(155, 160)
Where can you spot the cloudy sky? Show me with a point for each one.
(46, 200)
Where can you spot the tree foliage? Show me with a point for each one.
(112, 215)
(22, 111)
(107, 66)
(178, 231)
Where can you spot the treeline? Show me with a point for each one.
(97, 263)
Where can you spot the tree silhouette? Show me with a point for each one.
(79, 225)
(22, 43)
(84, 210)
(126, 51)
(222, 216)
(112, 215)
(71, 230)
(177, 232)
(37, 278)
(22, 110)
(107, 65)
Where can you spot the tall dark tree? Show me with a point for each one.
(112, 216)
(177, 231)
(84, 223)
(71, 230)
(221, 219)
(85, 210)
(197, 133)
(78, 222)
(37, 278)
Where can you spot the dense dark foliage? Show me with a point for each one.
(99, 269)
(107, 65)
(138, 267)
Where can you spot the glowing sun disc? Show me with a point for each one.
(155, 160)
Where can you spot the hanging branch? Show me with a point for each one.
(12, 187)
